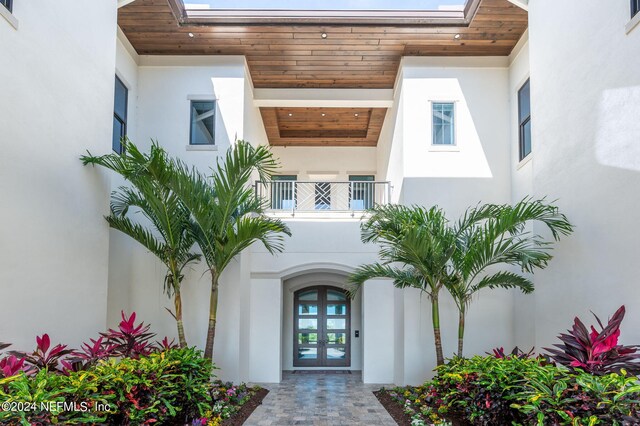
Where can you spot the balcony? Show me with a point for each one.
(312, 198)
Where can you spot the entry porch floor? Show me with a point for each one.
(320, 400)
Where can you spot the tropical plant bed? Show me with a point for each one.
(515, 391)
(121, 378)
(245, 410)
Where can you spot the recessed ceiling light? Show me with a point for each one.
(323, 114)
(191, 35)
(356, 114)
(457, 36)
(323, 35)
(290, 115)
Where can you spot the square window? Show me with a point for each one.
(635, 7)
(443, 122)
(7, 4)
(203, 115)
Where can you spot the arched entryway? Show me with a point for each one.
(321, 327)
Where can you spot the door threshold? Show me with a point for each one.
(321, 372)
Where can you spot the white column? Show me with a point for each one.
(265, 331)
(378, 332)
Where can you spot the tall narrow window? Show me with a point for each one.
(635, 7)
(361, 192)
(119, 116)
(283, 192)
(524, 119)
(7, 4)
(203, 117)
(443, 123)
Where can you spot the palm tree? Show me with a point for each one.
(169, 237)
(493, 235)
(415, 248)
(227, 216)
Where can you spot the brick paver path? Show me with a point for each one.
(320, 400)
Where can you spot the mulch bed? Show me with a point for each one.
(245, 411)
(393, 408)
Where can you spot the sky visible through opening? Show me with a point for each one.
(422, 5)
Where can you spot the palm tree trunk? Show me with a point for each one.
(178, 305)
(213, 312)
(461, 331)
(435, 319)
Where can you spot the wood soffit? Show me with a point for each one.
(353, 54)
(323, 126)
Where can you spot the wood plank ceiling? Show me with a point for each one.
(323, 126)
(351, 56)
(297, 55)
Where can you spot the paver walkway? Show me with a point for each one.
(320, 400)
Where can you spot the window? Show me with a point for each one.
(283, 192)
(443, 123)
(203, 114)
(7, 4)
(361, 194)
(635, 7)
(119, 116)
(524, 120)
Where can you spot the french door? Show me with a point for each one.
(321, 329)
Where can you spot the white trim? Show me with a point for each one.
(413, 66)
(633, 23)
(520, 47)
(9, 16)
(209, 97)
(523, 4)
(128, 46)
(209, 147)
(525, 161)
(122, 3)
(345, 98)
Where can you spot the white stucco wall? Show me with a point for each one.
(57, 83)
(586, 153)
(521, 187)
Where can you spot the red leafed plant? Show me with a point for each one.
(515, 353)
(45, 356)
(11, 365)
(130, 340)
(165, 344)
(596, 352)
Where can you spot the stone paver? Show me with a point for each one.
(320, 400)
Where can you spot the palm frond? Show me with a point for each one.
(504, 279)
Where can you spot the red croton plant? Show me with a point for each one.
(596, 352)
(129, 340)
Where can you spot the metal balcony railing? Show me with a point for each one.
(292, 196)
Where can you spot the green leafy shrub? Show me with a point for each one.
(169, 387)
(553, 396)
(520, 391)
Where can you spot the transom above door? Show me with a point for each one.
(322, 327)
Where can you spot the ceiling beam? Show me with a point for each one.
(326, 98)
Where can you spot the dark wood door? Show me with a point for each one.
(321, 329)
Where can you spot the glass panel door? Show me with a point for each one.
(321, 328)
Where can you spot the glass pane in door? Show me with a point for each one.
(307, 353)
(308, 338)
(336, 353)
(336, 324)
(307, 324)
(337, 309)
(335, 295)
(307, 309)
(336, 338)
